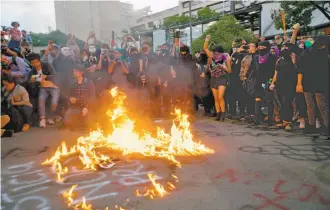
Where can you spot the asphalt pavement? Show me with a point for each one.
(252, 168)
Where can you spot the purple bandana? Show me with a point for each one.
(263, 58)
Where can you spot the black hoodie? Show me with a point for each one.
(315, 67)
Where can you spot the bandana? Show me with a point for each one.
(263, 58)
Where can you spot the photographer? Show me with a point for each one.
(16, 67)
(51, 54)
(15, 102)
(27, 38)
(43, 77)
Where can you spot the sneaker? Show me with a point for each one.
(302, 124)
(26, 127)
(42, 123)
(50, 122)
(318, 123)
(288, 127)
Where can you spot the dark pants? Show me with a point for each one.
(154, 100)
(322, 102)
(286, 97)
(301, 105)
(269, 102)
(19, 116)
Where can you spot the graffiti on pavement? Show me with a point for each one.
(26, 184)
(314, 151)
(283, 190)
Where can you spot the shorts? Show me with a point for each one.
(220, 81)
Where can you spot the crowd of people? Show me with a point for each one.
(275, 82)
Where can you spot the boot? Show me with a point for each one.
(223, 116)
(218, 116)
(257, 112)
(310, 129)
(214, 114)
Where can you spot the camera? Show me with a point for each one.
(5, 66)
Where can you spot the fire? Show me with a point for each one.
(158, 189)
(68, 195)
(124, 138)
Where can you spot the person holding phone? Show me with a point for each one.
(43, 79)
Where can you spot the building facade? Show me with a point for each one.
(101, 17)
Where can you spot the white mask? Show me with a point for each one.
(92, 49)
(65, 51)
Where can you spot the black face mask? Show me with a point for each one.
(285, 53)
(263, 51)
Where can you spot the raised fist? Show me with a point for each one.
(208, 38)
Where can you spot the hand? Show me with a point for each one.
(165, 84)
(296, 27)
(293, 58)
(159, 82)
(299, 88)
(12, 101)
(241, 49)
(73, 100)
(43, 77)
(208, 38)
(271, 87)
(84, 112)
(202, 75)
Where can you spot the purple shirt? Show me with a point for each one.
(18, 71)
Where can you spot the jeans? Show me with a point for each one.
(19, 116)
(14, 44)
(44, 93)
(322, 102)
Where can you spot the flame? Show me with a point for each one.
(68, 195)
(82, 205)
(124, 138)
(158, 189)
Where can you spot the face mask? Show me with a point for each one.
(218, 57)
(285, 53)
(92, 49)
(308, 44)
(263, 51)
(65, 51)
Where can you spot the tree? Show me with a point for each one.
(299, 12)
(206, 13)
(223, 32)
(59, 38)
(124, 31)
(178, 20)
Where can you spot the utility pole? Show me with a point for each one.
(190, 26)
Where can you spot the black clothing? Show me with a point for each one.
(286, 75)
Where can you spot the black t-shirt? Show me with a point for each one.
(315, 69)
(134, 66)
(286, 74)
(266, 70)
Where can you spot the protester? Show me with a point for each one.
(119, 71)
(44, 78)
(16, 68)
(220, 69)
(51, 54)
(314, 82)
(81, 95)
(18, 104)
(27, 38)
(15, 34)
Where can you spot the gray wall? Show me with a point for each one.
(80, 17)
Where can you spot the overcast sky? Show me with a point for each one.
(37, 16)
